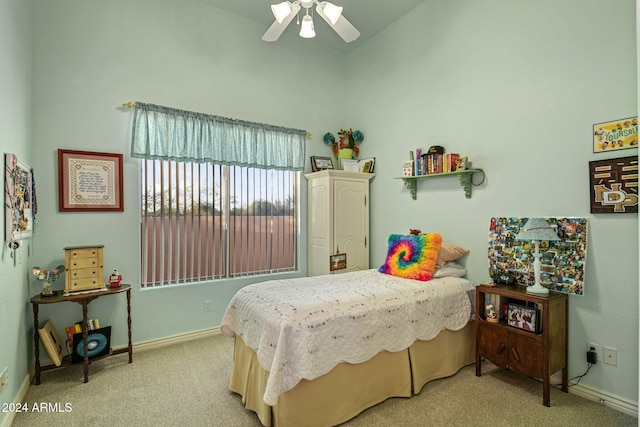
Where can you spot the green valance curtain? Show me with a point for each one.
(165, 133)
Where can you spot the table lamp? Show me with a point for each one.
(536, 230)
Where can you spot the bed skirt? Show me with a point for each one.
(350, 389)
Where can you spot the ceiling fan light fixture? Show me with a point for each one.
(332, 12)
(281, 11)
(306, 27)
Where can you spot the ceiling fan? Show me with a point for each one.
(285, 12)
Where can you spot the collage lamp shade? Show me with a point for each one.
(306, 27)
(537, 230)
(332, 12)
(281, 11)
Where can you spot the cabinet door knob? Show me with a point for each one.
(501, 348)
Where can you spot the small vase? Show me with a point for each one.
(344, 153)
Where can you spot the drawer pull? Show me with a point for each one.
(515, 353)
(501, 348)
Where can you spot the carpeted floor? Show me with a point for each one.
(186, 385)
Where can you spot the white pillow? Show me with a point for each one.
(450, 269)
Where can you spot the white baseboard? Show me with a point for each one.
(175, 339)
(22, 392)
(589, 393)
(611, 401)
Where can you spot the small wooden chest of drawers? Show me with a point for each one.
(84, 270)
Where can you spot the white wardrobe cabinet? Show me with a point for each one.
(338, 219)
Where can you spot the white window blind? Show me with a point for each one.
(203, 222)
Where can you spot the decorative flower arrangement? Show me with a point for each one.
(347, 139)
(47, 276)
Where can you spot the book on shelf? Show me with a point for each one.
(367, 165)
(433, 161)
(452, 161)
(52, 343)
(407, 168)
(71, 331)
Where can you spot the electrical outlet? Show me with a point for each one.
(4, 379)
(610, 356)
(596, 349)
(207, 305)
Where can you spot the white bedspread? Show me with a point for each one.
(302, 328)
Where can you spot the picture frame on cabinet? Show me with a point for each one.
(320, 163)
(349, 165)
(525, 318)
(366, 165)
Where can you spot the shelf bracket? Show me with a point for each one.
(412, 186)
(465, 182)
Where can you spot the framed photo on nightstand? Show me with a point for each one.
(526, 318)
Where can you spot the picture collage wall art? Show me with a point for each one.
(19, 200)
(562, 261)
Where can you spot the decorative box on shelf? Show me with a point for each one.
(84, 270)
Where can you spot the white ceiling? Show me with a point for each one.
(368, 16)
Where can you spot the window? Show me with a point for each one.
(202, 221)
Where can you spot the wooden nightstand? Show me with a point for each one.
(536, 354)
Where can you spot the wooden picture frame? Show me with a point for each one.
(89, 181)
(320, 163)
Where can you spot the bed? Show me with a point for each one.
(317, 351)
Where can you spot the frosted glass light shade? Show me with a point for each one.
(281, 11)
(332, 12)
(306, 27)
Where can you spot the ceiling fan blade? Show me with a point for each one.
(276, 29)
(343, 27)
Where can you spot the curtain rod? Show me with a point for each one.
(132, 105)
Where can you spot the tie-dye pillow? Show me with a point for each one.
(412, 257)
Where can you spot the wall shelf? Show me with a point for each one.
(411, 182)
